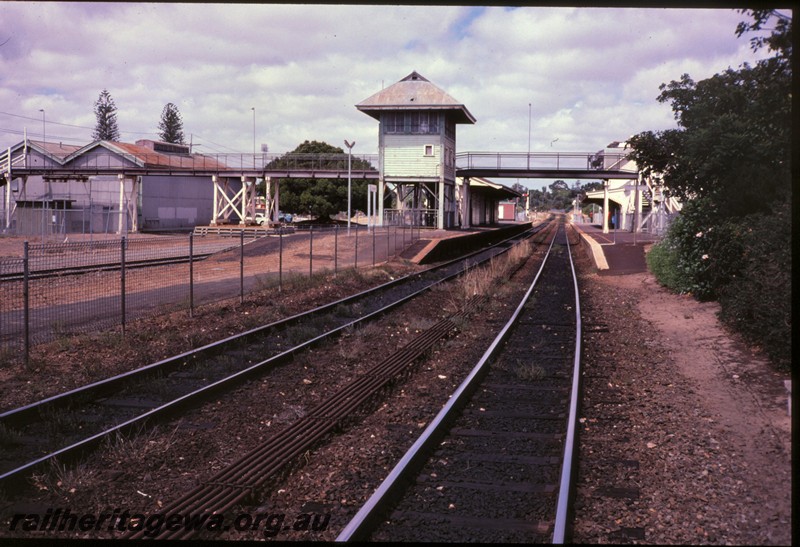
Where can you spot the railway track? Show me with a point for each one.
(259, 469)
(79, 420)
(50, 273)
(496, 464)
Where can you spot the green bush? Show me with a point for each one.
(663, 262)
(742, 262)
(757, 300)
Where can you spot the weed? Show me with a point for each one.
(529, 371)
(60, 479)
(139, 445)
(9, 356)
(8, 436)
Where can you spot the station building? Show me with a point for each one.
(169, 188)
(101, 203)
(631, 205)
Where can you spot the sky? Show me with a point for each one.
(557, 79)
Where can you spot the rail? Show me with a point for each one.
(376, 506)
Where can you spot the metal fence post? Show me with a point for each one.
(26, 302)
(373, 247)
(311, 251)
(280, 259)
(241, 267)
(335, 250)
(191, 275)
(355, 260)
(122, 281)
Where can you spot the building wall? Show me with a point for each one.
(176, 202)
(99, 157)
(404, 156)
(164, 202)
(506, 211)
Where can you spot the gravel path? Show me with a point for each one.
(685, 436)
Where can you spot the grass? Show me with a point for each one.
(137, 446)
(529, 371)
(523, 370)
(8, 436)
(61, 479)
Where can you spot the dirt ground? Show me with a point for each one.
(686, 436)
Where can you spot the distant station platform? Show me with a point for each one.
(618, 252)
(439, 245)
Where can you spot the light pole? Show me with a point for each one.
(349, 181)
(44, 134)
(254, 135)
(529, 135)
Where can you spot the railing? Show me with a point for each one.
(540, 160)
(6, 164)
(410, 217)
(116, 161)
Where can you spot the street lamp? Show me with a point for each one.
(254, 135)
(44, 134)
(529, 136)
(349, 181)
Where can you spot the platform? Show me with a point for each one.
(440, 245)
(619, 252)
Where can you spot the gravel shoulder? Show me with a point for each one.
(685, 435)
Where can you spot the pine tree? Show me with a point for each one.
(171, 125)
(106, 113)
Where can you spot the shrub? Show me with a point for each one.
(663, 262)
(757, 301)
(743, 262)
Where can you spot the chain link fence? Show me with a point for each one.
(58, 290)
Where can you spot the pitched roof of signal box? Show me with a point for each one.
(414, 92)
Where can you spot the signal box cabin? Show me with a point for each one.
(417, 149)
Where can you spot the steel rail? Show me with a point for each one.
(565, 491)
(30, 411)
(371, 512)
(77, 270)
(248, 474)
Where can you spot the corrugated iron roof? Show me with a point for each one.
(414, 92)
(147, 157)
(56, 149)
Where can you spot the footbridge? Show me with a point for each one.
(235, 176)
(329, 166)
(556, 165)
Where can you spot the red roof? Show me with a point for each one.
(148, 157)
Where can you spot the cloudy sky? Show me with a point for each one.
(590, 75)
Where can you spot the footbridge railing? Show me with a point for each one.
(519, 164)
(117, 162)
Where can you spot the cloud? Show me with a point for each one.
(591, 75)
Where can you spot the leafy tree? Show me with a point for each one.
(734, 145)
(106, 113)
(561, 194)
(780, 40)
(171, 125)
(319, 197)
(730, 162)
